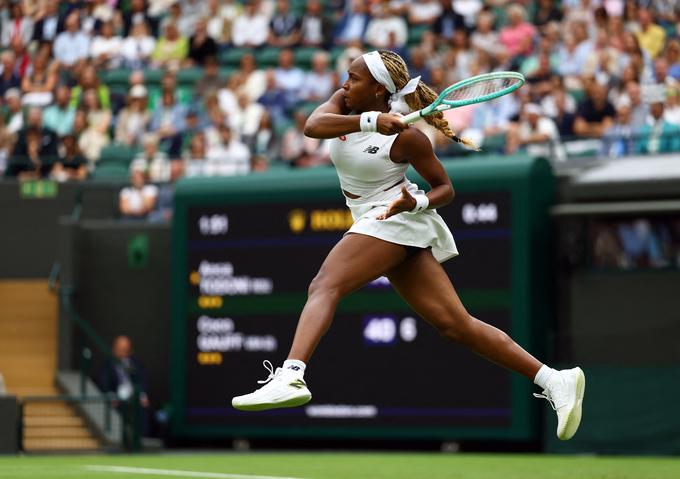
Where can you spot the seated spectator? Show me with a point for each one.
(284, 28)
(195, 123)
(320, 82)
(246, 119)
(418, 65)
(220, 17)
(171, 49)
(96, 133)
(6, 145)
(651, 36)
(47, 23)
(299, 150)
(22, 58)
(632, 97)
(251, 28)
(672, 109)
(106, 47)
(211, 80)
(595, 114)
(168, 123)
(229, 157)
(672, 57)
(138, 47)
(37, 87)
(201, 46)
(658, 135)
(518, 35)
(72, 45)
(447, 23)
(424, 12)
(484, 37)
(603, 59)
(88, 80)
(60, 116)
(572, 57)
(154, 164)
(264, 143)
(619, 139)
(661, 76)
(135, 15)
(8, 76)
(546, 11)
(33, 155)
(71, 164)
(537, 132)
(289, 77)
(17, 25)
(249, 79)
(34, 123)
(185, 23)
(385, 29)
(275, 99)
(14, 116)
(352, 26)
(195, 156)
(315, 28)
(183, 94)
(134, 119)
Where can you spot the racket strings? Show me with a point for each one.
(481, 89)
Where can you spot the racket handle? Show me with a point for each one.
(411, 117)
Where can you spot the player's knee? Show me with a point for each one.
(458, 330)
(322, 285)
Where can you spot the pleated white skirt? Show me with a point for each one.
(425, 229)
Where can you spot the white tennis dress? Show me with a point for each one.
(365, 169)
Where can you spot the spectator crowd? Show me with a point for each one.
(222, 87)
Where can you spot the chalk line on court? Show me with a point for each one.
(176, 473)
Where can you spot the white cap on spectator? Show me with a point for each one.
(532, 108)
(654, 93)
(12, 93)
(138, 91)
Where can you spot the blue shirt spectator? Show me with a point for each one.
(73, 44)
(60, 116)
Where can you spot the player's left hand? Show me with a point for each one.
(406, 202)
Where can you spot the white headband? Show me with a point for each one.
(379, 72)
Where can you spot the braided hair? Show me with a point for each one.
(423, 96)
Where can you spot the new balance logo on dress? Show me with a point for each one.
(371, 149)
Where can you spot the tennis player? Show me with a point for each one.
(396, 233)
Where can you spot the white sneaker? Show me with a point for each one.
(283, 388)
(565, 394)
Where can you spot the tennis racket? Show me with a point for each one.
(477, 89)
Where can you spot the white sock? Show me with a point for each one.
(295, 365)
(543, 376)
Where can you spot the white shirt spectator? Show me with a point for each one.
(246, 121)
(9, 29)
(255, 85)
(318, 86)
(544, 126)
(379, 29)
(137, 198)
(290, 79)
(69, 47)
(110, 46)
(137, 49)
(158, 169)
(250, 30)
(229, 160)
(425, 11)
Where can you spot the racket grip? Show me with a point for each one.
(411, 117)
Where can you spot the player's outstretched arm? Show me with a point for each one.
(332, 119)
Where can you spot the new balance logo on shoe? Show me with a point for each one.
(371, 149)
(294, 368)
(298, 384)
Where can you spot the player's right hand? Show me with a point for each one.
(390, 124)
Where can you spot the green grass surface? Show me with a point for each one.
(342, 466)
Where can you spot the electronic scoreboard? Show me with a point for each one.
(245, 250)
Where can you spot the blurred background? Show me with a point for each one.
(162, 214)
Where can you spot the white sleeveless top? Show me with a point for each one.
(365, 169)
(363, 162)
